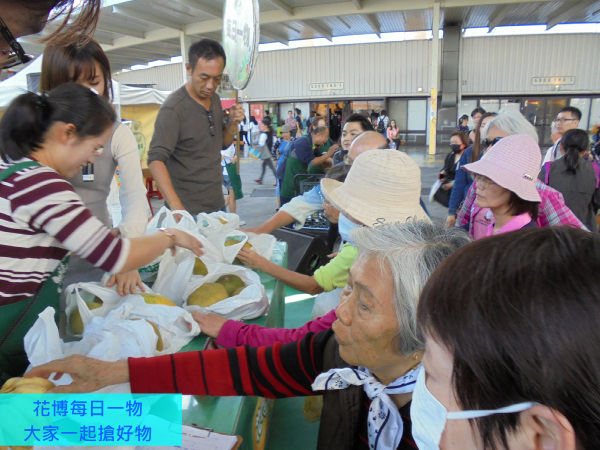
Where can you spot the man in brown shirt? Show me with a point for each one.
(189, 134)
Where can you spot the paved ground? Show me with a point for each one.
(259, 201)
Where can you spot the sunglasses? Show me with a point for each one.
(211, 124)
(486, 143)
(17, 55)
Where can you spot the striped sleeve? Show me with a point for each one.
(44, 202)
(273, 372)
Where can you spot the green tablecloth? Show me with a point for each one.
(243, 416)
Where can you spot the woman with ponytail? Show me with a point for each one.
(575, 178)
(88, 65)
(44, 141)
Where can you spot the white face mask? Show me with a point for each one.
(429, 416)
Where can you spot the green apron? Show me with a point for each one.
(17, 318)
(318, 169)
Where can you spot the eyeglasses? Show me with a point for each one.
(486, 143)
(211, 124)
(483, 181)
(17, 55)
(564, 120)
(326, 204)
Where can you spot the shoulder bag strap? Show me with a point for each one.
(16, 167)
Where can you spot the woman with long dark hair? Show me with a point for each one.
(88, 65)
(575, 178)
(44, 141)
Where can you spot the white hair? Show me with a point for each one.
(510, 122)
(412, 251)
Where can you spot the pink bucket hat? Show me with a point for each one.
(513, 163)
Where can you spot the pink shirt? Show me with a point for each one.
(516, 223)
(235, 333)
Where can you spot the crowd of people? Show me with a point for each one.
(474, 333)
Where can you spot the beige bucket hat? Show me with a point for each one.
(383, 186)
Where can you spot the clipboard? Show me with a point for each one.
(194, 437)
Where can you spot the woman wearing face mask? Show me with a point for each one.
(365, 366)
(505, 180)
(88, 65)
(514, 348)
(462, 180)
(45, 140)
(459, 141)
(381, 187)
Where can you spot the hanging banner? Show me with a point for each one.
(241, 33)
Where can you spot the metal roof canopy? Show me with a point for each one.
(139, 31)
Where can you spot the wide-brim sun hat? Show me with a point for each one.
(513, 163)
(383, 186)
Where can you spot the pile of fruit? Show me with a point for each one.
(210, 293)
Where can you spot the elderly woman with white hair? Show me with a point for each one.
(552, 208)
(366, 365)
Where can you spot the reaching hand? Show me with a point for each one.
(185, 240)
(251, 259)
(127, 283)
(210, 323)
(88, 374)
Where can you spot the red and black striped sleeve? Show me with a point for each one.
(273, 372)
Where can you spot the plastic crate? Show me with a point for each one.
(304, 183)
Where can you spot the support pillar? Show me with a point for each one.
(435, 68)
(185, 41)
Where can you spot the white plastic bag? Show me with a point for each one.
(210, 224)
(251, 302)
(434, 189)
(263, 244)
(174, 273)
(79, 294)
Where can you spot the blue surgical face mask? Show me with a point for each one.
(429, 416)
(345, 225)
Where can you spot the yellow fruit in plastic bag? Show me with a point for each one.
(20, 385)
(200, 268)
(231, 241)
(238, 291)
(208, 294)
(155, 299)
(75, 319)
(159, 342)
(223, 221)
(231, 283)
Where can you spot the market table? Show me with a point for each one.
(243, 416)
